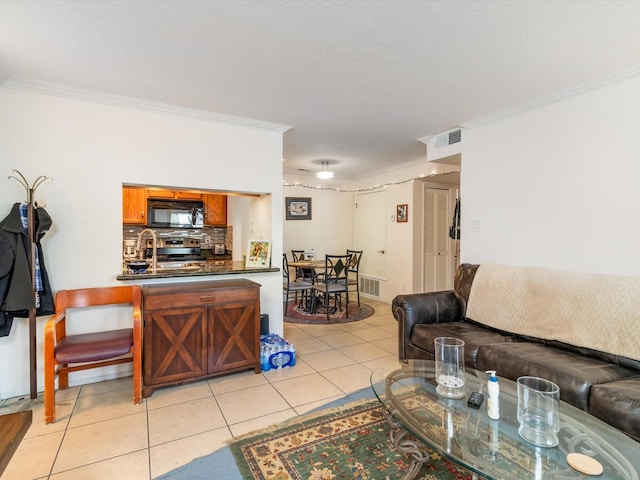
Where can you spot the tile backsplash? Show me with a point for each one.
(208, 235)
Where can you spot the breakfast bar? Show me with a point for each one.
(201, 269)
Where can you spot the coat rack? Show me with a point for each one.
(31, 204)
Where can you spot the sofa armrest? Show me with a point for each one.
(418, 308)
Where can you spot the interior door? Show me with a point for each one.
(371, 233)
(437, 272)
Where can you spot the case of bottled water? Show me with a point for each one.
(276, 352)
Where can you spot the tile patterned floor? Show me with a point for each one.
(100, 433)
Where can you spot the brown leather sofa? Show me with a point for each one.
(605, 384)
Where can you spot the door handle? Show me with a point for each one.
(381, 252)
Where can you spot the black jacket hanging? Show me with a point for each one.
(454, 229)
(16, 289)
(6, 267)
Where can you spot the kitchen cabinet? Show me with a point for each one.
(188, 195)
(175, 194)
(134, 205)
(197, 330)
(215, 209)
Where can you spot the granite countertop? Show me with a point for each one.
(209, 268)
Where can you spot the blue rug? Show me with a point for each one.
(220, 465)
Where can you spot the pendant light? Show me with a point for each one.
(324, 173)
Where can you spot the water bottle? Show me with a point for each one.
(264, 359)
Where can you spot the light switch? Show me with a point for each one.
(477, 225)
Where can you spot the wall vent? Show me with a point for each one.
(370, 286)
(454, 136)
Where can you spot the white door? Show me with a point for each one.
(371, 233)
(437, 263)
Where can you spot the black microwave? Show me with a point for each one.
(175, 214)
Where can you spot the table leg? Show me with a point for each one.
(418, 452)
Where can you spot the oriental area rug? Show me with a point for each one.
(347, 443)
(297, 314)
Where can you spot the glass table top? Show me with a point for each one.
(493, 448)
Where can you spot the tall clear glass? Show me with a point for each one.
(538, 411)
(450, 367)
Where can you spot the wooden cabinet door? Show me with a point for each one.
(215, 209)
(188, 195)
(134, 205)
(235, 335)
(179, 194)
(175, 344)
(160, 193)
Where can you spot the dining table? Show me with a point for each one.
(312, 265)
(315, 264)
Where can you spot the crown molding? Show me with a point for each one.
(426, 139)
(49, 88)
(601, 81)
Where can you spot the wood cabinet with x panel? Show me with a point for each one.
(199, 329)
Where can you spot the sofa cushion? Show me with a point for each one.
(573, 373)
(618, 404)
(473, 335)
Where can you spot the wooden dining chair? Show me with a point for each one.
(333, 284)
(296, 286)
(70, 353)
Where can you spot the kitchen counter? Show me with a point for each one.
(205, 269)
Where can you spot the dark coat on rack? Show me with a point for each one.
(16, 289)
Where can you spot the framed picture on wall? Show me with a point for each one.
(258, 254)
(402, 213)
(298, 208)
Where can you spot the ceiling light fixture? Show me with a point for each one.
(324, 173)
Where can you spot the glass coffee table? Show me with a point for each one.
(492, 449)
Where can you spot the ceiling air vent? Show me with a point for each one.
(454, 136)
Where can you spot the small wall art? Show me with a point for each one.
(298, 208)
(402, 213)
(258, 254)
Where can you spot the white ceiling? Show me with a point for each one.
(359, 81)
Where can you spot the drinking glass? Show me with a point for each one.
(450, 367)
(538, 411)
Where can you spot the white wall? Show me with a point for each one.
(404, 240)
(557, 186)
(330, 230)
(90, 150)
(333, 228)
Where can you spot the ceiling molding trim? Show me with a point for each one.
(49, 88)
(618, 75)
(426, 139)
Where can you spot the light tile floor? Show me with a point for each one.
(100, 434)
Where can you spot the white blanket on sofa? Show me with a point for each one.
(601, 312)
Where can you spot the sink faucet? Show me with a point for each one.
(154, 256)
